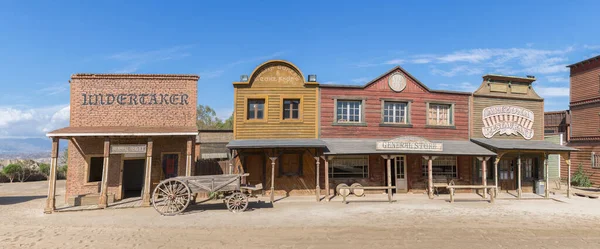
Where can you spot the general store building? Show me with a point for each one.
(127, 132)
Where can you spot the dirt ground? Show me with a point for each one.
(411, 222)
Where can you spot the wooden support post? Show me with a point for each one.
(318, 188)
(230, 170)
(273, 159)
(546, 177)
(491, 196)
(51, 201)
(148, 175)
(429, 175)
(326, 159)
(496, 175)
(519, 177)
(568, 161)
(389, 177)
(188, 158)
(483, 161)
(103, 202)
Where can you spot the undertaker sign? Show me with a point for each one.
(507, 120)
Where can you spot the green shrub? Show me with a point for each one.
(580, 179)
(12, 171)
(44, 169)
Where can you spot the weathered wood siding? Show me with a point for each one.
(379, 91)
(583, 157)
(585, 81)
(485, 97)
(275, 81)
(586, 120)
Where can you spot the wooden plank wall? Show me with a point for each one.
(374, 95)
(585, 120)
(585, 81)
(583, 157)
(481, 102)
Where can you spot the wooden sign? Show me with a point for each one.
(507, 120)
(127, 148)
(409, 143)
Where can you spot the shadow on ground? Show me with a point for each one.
(202, 207)
(10, 200)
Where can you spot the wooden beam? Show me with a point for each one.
(519, 191)
(547, 177)
(148, 174)
(103, 202)
(430, 177)
(496, 175)
(318, 188)
(389, 177)
(51, 201)
(484, 175)
(326, 160)
(568, 161)
(273, 159)
(188, 158)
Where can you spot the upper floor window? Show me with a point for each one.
(291, 109)
(439, 114)
(395, 112)
(256, 108)
(349, 111)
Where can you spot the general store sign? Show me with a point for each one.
(409, 143)
(127, 149)
(507, 120)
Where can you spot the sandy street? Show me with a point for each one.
(412, 222)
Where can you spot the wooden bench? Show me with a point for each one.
(351, 189)
(453, 187)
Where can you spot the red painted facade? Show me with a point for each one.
(377, 91)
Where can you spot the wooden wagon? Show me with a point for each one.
(174, 195)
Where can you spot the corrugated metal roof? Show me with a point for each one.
(275, 143)
(345, 146)
(509, 144)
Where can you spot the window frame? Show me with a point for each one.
(361, 122)
(365, 172)
(300, 118)
(265, 108)
(88, 161)
(408, 113)
(452, 121)
(455, 171)
(595, 160)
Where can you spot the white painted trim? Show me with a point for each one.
(121, 134)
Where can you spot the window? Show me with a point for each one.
(290, 164)
(506, 168)
(439, 114)
(349, 111)
(349, 167)
(170, 165)
(291, 109)
(400, 164)
(442, 166)
(595, 160)
(256, 108)
(395, 112)
(527, 164)
(95, 169)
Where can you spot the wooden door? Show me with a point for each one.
(400, 172)
(507, 174)
(254, 164)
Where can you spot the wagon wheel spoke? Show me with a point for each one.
(171, 197)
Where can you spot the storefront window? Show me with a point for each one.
(290, 164)
(349, 111)
(442, 166)
(170, 164)
(439, 114)
(95, 169)
(349, 167)
(291, 108)
(395, 112)
(256, 108)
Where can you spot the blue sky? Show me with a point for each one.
(445, 45)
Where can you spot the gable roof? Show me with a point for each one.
(387, 73)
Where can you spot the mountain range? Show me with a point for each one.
(27, 148)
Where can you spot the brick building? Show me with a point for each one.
(585, 121)
(126, 134)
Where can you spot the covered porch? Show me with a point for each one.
(109, 165)
(530, 158)
(285, 166)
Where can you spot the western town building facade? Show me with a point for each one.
(126, 134)
(585, 111)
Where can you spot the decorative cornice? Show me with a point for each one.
(585, 138)
(134, 76)
(585, 102)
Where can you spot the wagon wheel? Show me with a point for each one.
(171, 197)
(237, 202)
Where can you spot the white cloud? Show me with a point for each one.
(361, 80)
(557, 79)
(394, 62)
(330, 83)
(591, 47)
(54, 89)
(218, 72)
(16, 122)
(466, 70)
(211, 74)
(135, 59)
(552, 91)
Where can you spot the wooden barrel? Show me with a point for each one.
(342, 192)
(357, 192)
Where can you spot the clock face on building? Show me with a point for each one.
(397, 82)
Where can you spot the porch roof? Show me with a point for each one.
(349, 146)
(275, 143)
(107, 131)
(524, 145)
